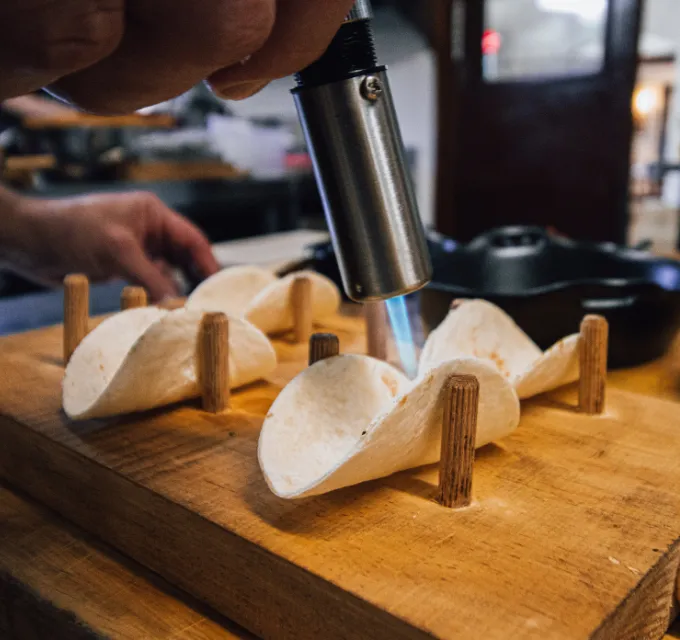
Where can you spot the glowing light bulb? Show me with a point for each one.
(645, 101)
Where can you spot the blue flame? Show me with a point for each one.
(403, 335)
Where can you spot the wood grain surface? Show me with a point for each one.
(213, 362)
(593, 349)
(376, 329)
(660, 379)
(57, 582)
(133, 298)
(459, 431)
(76, 313)
(573, 533)
(303, 311)
(323, 346)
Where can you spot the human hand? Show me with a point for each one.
(132, 236)
(115, 56)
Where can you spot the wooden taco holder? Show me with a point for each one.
(575, 512)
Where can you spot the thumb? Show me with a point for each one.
(139, 269)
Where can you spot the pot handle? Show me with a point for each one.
(513, 237)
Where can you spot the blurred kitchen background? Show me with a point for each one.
(561, 113)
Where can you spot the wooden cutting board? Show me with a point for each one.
(574, 532)
(57, 583)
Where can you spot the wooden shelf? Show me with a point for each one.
(168, 171)
(81, 120)
(38, 113)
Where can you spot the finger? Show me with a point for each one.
(184, 243)
(42, 41)
(165, 268)
(136, 267)
(167, 48)
(302, 32)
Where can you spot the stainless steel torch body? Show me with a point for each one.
(345, 106)
(353, 135)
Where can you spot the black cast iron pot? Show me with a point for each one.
(548, 283)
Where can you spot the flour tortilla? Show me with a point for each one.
(271, 310)
(146, 358)
(351, 419)
(558, 366)
(263, 299)
(231, 290)
(479, 329)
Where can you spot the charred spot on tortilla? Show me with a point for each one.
(499, 362)
(484, 331)
(390, 383)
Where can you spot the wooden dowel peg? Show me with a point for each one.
(133, 298)
(323, 346)
(459, 432)
(376, 329)
(301, 300)
(213, 362)
(76, 312)
(593, 346)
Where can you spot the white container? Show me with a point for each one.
(256, 149)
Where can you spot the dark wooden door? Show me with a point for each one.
(552, 149)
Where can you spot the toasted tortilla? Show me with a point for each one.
(272, 312)
(558, 366)
(479, 329)
(231, 290)
(351, 419)
(146, 358)
(257, 295)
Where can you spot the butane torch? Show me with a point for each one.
(346, 109)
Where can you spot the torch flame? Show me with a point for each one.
(403, 335)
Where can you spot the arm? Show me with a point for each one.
(133, 236)
(14, 227)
